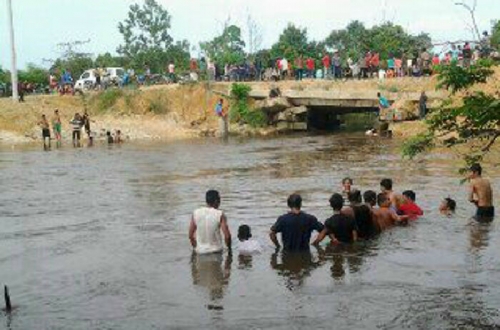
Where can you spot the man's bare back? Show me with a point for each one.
(384, 218)
(480, 192)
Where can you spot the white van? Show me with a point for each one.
(88, 78)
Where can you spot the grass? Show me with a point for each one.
(107, 99)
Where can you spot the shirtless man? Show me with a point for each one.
(395, 199)
(481, 194)
(44, 124)
(385, 215)
(362, 215)
(370, 198)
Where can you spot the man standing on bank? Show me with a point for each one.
(481, 194)
(206, 226)
(295, 227)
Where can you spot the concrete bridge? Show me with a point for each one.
(320, 107)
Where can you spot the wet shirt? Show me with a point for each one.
(341, 227)
(364, 222)
(412, 210)
(296, 230)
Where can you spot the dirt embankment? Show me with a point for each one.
(170, 112)
(176, 112)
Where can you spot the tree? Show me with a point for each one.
(254, 31)
(72, 59)
(292, 42)
(4, 76)
(145, 29)
(147, 40)
(472, 12)
(495, 35)
(179, 54)
(228, 48)
(107, 60)
(472, 120)
(34, 74)
(355, 40)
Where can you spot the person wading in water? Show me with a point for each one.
(481, 194)
(206, 226)
(44, 124)
(57, 127)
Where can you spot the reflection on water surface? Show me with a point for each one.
(97, 239)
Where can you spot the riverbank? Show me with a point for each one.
(172, 112)
(159, 112)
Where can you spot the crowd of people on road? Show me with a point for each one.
(77, 123)
(363, 217)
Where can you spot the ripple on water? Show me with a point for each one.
(97, 238)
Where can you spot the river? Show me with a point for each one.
(96, 238)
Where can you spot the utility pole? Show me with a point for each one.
(13, 71)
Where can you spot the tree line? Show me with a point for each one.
(147, 43)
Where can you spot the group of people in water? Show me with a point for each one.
(77, 123)
(364, 217)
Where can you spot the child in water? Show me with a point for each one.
(448, 206)
(109, 137)
(247, 245)
(409, 207)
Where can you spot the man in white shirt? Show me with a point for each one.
(206, 226)
(171, 72)
(284, 68)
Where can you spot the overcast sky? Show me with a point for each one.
(42, 24)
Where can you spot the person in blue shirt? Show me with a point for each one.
(295, 227)
(219, 110)
(383, 103)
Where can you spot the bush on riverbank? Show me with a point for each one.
(240, 107)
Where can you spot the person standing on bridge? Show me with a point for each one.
(299, 68)
(310, 67)
(326, 65)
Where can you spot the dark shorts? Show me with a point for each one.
(46, 133)
(76, 135)
(485, 213)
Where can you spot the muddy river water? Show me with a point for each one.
(96, 238)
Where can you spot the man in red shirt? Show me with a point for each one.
(326, 64)
(409, 208)
(193, 65)
(375, 63)
(310, 67)
(368, 63)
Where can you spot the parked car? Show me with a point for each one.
(88, 79)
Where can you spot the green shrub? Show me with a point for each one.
(240, 110)
(108, 98)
